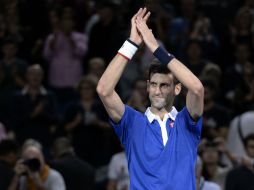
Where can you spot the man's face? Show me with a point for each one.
(250, 148)
(161, 90)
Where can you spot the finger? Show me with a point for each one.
(147, 16)
(138, 13)
(143, 12)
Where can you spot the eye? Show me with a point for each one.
(153, 84)
(165, 85)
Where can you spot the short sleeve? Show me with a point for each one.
(124, 127)
(194, 127)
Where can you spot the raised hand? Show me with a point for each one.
(146, 33)
(135, 35)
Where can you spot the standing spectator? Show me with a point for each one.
(64, 51)
(243, 177)
(77, 173)
(106, 33)
(32, 172)
(118, 175)
(213, 124)
(9, 151)
(12, 77)
(34, 109)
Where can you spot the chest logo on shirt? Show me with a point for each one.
(171, 124)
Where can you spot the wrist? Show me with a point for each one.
(163, 56)
(128, 49)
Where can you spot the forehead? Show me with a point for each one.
(158, 77)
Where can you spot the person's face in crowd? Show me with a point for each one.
(67, 25)
(54, 18)
(161, 91)
(194, 51)
(242, 53)
(97, 68)
(243, 19)
(209, 93)
(33, 152)
(87, 91)
(210, 155)
(141, 87)
(250, 148)
(34, 77)
(9, 50)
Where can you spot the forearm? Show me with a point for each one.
(111, 76)
(185, 76)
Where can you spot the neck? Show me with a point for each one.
(161, 112)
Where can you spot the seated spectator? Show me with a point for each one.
(9, 151)
(77, 173)
(201, 183)
(240, 127)
(243, 177)
(212, 171)
(31, 171)
(118, 175)
(34, 109)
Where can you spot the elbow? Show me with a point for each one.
(102, 90)
(199, 90)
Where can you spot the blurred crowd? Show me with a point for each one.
(54, 130)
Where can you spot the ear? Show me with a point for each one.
(178, 88)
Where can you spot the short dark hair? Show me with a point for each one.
(247, 139)
(8, 146)
(157, 67)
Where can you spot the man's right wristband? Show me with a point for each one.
(163, 56)
(128, 49)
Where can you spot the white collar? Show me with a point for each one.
(150, 116)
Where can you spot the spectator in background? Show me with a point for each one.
(64, 51)
(118, 175)
(96, 67)
(201, 183)
(105, 35)
(202, 31)
(139, 99)
(212, 171)
(240, 127)
(32, 172)
(9, 151)
(214, 125)
(77, 173)
(241, 29)
(235, 72)
(12, 77)
(243, 177)
(14, 67)
(194, 56)
(34, 109)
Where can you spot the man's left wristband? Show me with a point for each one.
(128, 49)
(163, 56)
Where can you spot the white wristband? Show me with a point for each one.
(128, 49)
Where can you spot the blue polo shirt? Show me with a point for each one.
(153, 166)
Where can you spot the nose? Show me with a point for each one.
(157, 90)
